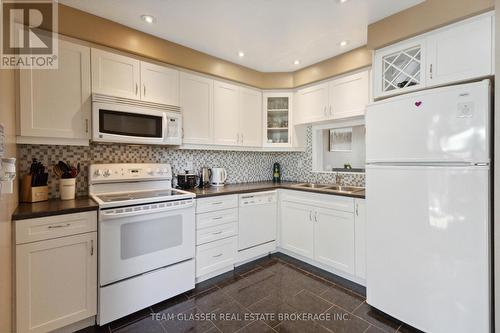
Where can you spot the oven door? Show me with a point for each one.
(115, 122)
(137, 239)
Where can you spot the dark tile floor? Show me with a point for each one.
(272, 294)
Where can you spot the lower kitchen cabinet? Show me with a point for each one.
(216, 235)
(360, 237)
(334, 239)
(297, 228)
(56, 279)
(327, 229)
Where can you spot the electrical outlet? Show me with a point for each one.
(188, 166)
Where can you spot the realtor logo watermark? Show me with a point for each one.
(29, 34)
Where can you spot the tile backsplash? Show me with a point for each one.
(241, 166)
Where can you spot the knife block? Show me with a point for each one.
(33, 194)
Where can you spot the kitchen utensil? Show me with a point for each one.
(186, 180)
(219, 177)
(205, 175)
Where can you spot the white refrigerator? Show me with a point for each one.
(428, 208)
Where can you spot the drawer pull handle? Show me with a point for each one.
(217, 218)
(217, 203)
(59, 226)
(217, 233)
(217, 256)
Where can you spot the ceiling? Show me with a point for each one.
(271, 33)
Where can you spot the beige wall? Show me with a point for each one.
(8, 202)
(347, 62)
(429, 15)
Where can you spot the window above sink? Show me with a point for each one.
(339, 147)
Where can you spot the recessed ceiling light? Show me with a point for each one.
(296, 62)
(241, 54)
(343, 1)
(343, 43)
(148, 18)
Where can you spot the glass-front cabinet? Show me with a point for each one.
(277, 119)
(399, 68)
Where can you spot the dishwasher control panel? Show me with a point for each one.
(258, 198)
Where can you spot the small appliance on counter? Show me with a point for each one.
(186, 180)
(205, 174)
(276, 173)
(34, 185)
(219, 177)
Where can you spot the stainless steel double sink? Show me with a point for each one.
(330, 188)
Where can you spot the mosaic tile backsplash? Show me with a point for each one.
(241, 166)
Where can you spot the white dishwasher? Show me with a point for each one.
(257, 221)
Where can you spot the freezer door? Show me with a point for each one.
(448, 124)
(428, 246)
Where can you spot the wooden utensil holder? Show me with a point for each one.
(33, 194)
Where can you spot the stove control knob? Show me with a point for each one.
(158, 171)
(97, 173)
(149, 172)
(107, 173)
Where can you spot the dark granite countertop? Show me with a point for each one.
(84, 204)
(53, 207)
(262, 186)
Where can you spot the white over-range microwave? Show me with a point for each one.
(124, 120)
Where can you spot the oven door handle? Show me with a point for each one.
(116, 213)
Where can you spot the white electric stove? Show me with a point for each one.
(146, 237)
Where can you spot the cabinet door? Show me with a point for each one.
(460, 52)
(56, 282)
(226, 114)
(56, 103)
(115, 75)
(399, 68)
(196, 100)
(297, 228)
(159, 84)
(250, 117)
(349, 95)
(313, 104)
(360, 237)
(334, 239)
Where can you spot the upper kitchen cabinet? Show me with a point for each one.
(122, 76)
(250, 101)
(55, 104)
(399, 68)
(226, 120)
(340, 98)
(349, 95)
(461, 52)
(196, 100)
(159, 84)
(278, 119)
(458, 52)
(115, 75)
(312, 104)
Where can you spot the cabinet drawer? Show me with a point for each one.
(216, 218)
(211, 234)
(216, 255)
(216, 203)
(49, 227)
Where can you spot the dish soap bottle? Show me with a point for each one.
(276, 173)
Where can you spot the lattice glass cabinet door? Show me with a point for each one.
(399, 69)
